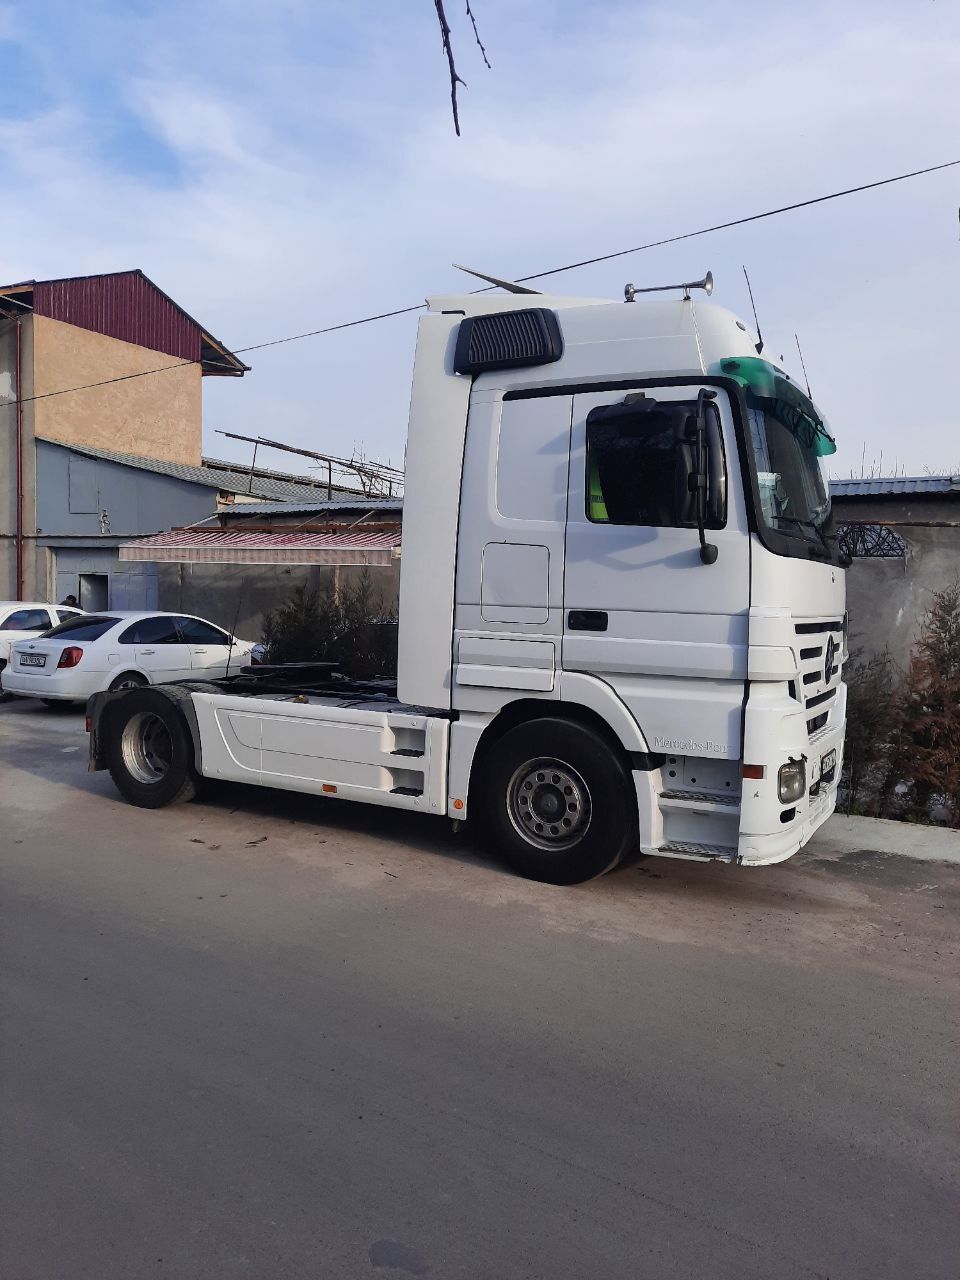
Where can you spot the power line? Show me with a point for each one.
(539, 275)
(738, 222)
(332, 328)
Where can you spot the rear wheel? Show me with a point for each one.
(129, 680)
(557, 802)
(149, 750)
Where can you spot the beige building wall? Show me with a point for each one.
(8, 459)
(157, 416)
(33, 581)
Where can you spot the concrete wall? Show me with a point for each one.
(223, 592)
(158, 416)
(886, 599)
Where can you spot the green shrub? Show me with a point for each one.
(350, 627)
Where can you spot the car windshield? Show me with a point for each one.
(788, 438)
(83, 627)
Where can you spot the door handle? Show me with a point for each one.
(148, 653)
(196, 650)
(587, 620)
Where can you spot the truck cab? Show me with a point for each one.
(553, 567)
(622, 619)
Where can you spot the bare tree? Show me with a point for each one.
(455, 77)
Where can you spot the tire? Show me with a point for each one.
(557, 803)
(149, 750)
(129, 680)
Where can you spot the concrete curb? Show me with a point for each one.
(844, 834)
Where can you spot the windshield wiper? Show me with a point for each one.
(822, 545)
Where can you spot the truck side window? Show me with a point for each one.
(632, 474)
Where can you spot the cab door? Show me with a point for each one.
(642, 611)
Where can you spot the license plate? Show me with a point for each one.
(828, 764)
(33, 659)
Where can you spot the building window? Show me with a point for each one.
(870, 542)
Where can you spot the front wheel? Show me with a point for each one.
(557, 802)
(149, 750)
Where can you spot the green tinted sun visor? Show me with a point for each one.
(773, 392)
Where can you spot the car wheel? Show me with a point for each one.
(150, 751)
(129, 680)
(557, 802)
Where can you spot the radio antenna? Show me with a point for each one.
(511, 286)
(756, 321)
(802, 365)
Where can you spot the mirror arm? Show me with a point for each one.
(708, 550)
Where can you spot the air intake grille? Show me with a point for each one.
(508, 340)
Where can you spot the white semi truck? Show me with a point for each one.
(622, 620)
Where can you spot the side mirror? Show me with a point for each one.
(707, 479)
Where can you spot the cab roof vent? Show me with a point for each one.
(508, 340)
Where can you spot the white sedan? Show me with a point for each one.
(117, 649)
(21, 619)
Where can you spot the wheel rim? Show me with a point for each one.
(549, 804)
(147, 747)
(128, 682)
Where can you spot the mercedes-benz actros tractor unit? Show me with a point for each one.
(621, 618)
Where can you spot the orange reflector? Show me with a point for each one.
(458, 804)
(329, 787)
(754, 770)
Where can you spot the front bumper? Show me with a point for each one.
(765, 837)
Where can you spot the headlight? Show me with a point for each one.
(792, 781)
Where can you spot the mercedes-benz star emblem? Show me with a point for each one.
(828, 662)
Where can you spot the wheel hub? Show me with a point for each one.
(147, 747)
(549, 804)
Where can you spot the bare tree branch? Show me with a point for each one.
(455, 77)
(476, 36)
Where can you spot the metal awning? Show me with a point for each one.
(236, 546)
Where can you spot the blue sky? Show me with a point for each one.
(278, 167)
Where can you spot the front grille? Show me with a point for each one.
(818, 628)
(826, 696)
(819, 687)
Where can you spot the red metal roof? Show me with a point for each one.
(125, 306)
(129, 306)
(237, 546)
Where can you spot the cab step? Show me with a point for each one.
(698, 852)
(699, 801)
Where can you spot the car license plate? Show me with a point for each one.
(828, 764)
(33, 659)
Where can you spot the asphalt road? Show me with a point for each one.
(265, 1036)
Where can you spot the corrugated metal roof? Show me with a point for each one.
(210, 477)
(895, 486)
(126, 305)
(236, 546)
(245, 510)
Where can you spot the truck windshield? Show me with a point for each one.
(788, 437)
